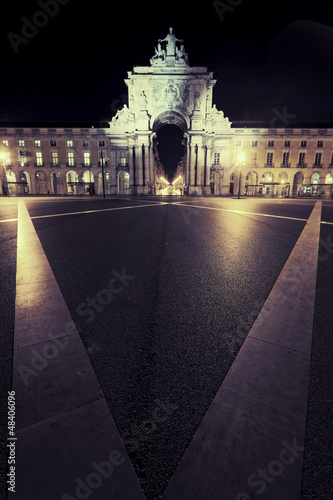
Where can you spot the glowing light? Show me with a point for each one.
(241, 158)
(174, 182)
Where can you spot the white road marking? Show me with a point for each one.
(59, 400)
(253, 431)
(166, 203)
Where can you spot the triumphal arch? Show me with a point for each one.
(168, 91)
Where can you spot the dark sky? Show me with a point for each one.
(265, 55)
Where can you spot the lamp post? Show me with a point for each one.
(241, 161)
(102, 162)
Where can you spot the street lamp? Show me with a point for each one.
(241, 160)
(102, 163)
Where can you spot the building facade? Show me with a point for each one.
(219, 158)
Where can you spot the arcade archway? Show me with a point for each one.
(169, 139)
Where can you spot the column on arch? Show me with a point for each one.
(113, 170)
(200, 165)
(139, 165)
(191, 164)
(209, 150)
(132, 166)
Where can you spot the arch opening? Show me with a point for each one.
(170, 147)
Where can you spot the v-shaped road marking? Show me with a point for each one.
(250, 442)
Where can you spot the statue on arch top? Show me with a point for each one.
(159, 55)
(170, 40)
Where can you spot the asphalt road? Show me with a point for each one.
(194, 279)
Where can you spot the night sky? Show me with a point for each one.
(266, 56)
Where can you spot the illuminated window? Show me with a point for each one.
(39, 158)
(86, 158)
(21, 143)
(102, 157)
(269, 160)
(216, 158)
(37, 143)
(69, 144)
(5, 142)
(70, 159)
(107, 176)
(22, 159)
(123, 158)
(54, 155)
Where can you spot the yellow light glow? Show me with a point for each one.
(176, 180)
(241, 158)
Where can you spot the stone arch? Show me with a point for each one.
(41, 182)
(25, 178)
(283, 177)
(298, 183)
(268, 177)
(251, 183)
(123, 182)
(315, 178)
(55, 182)
(11, 182)
(89, 182)
(170, 117)
(329, 178)
(72, 179)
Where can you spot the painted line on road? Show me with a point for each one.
(250, 443)
(8, 220)
(166, 203)
(95, 211)
(63, 423)
(240, 212)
